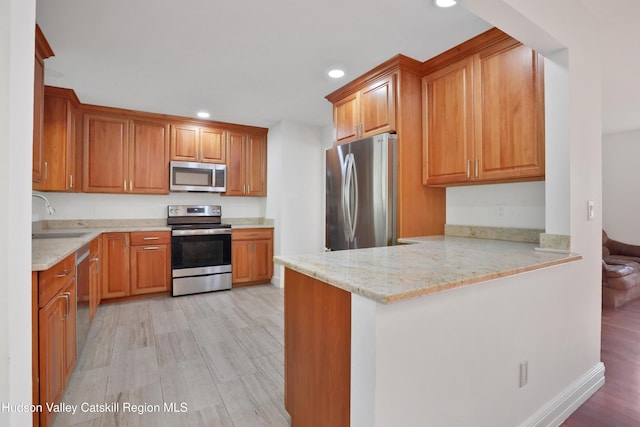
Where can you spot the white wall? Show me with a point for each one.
(458, 360)
(17, 18)
(125, 206)
(296, 197)
(620, 175)
(519, 205)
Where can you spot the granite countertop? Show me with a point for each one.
(432, 264)
(45, 253)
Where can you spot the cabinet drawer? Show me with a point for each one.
(252, 234)
(51, 281)
(150, 237)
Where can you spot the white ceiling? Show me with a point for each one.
(257, 62)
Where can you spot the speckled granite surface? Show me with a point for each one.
(432, 264)
(249, 222)
(45, 253)
(523, 235)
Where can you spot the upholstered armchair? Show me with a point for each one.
(620, 272)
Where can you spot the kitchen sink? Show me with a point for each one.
(65, 235)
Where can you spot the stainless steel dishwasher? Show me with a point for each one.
(82, 287)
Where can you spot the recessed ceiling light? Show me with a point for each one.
(336, 73)
(444, 3)
(203, 114)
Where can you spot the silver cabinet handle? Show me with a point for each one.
(67, 296)
(64, 274)
(70, 181)
(46, 170)
(124, 185)
(151, 248)
(96, 260)
(477, 166)
(130, 185)
(468, 168)
(151, 238)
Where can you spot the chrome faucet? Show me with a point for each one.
(50, 208)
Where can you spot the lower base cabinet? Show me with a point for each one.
(251, 256)
(55, 355)
(135, 263)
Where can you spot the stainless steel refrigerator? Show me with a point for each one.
(361, 193)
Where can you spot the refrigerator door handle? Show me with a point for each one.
(345, 198)
(354, 214)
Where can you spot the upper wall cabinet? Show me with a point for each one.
(367, 112)
(191, 143)
(246, 164)
(59, 153)
(42, 52)
(387, 99)
(483, 114)
(125, 154)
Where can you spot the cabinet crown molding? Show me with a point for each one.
(398, 62)
(43, 49)
(465, 49)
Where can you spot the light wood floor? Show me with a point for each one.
(617, 403)
(220, 354)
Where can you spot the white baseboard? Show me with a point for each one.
(564, 404)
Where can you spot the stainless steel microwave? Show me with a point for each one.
(193, 176)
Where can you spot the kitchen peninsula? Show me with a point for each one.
(368, 332)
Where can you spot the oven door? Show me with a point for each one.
(200, 251)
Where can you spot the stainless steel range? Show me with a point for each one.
(200, 249)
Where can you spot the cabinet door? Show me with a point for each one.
(94, 277)
(448, 124)
(115, 265)
(69, 292)
(236, 164)
(37, 172)
(150, 269)
(213, 145)
(377, 107)
(346, 115)
(262, 260)
(51, 347)
(256, 171)
(241, 261)
(59, 128)
(184, 143)
(148, 158)
(105, 143)
(509, 112)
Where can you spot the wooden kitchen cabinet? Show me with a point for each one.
(115, 265)
(192, 143)
(95, 284)
(59, 155)
(135, 263)
(125, 155)
(56, 332)
(484, 116)
(251, 256)
(388, 99)
(246, 164)
(367, 112)
(150, 262)
(42, 52)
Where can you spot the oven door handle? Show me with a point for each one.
(201, 232)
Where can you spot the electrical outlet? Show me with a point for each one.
(524, 373)
(499, 211)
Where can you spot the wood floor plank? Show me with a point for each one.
(186, 350)
(617, 403)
